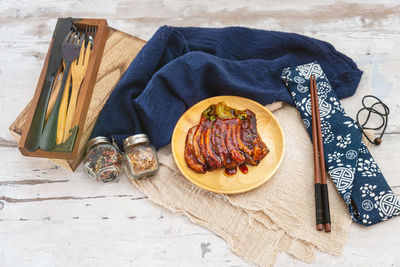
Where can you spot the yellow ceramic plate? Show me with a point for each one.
(216, 181)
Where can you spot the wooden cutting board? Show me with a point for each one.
(119, 51)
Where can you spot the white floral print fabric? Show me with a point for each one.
(349, 163)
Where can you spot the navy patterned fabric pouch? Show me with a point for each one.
(349, 163)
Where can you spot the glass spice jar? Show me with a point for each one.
(140, 157)
(103, 160)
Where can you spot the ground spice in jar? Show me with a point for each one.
(140, 157)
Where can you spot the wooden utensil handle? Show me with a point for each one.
(54, 92)
(71, 108)
(63, 111)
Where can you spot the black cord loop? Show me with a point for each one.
(372, 110)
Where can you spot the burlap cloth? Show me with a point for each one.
(278, 216)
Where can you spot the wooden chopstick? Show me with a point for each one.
(321, 189)
(317, 177)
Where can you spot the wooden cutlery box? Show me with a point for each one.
(112, 53)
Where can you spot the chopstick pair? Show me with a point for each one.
(323, 217)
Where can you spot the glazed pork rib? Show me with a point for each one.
(225, 137)
(190, 157)
(212, 158)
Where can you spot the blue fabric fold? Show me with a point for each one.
(179, 67)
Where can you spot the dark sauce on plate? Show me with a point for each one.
(232, 171)
(243, 168)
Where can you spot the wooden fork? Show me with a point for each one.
(78, 71)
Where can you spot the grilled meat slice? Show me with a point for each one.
(254, 148)
(196, 142)
(244, 148)
(190, 158)
(233, 150)
(218, 140)
(212, 159)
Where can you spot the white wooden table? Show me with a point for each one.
(52, 217)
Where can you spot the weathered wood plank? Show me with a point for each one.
(29, 197)
(132, 239)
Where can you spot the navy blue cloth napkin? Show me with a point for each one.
(178, 67)
(351, 167)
